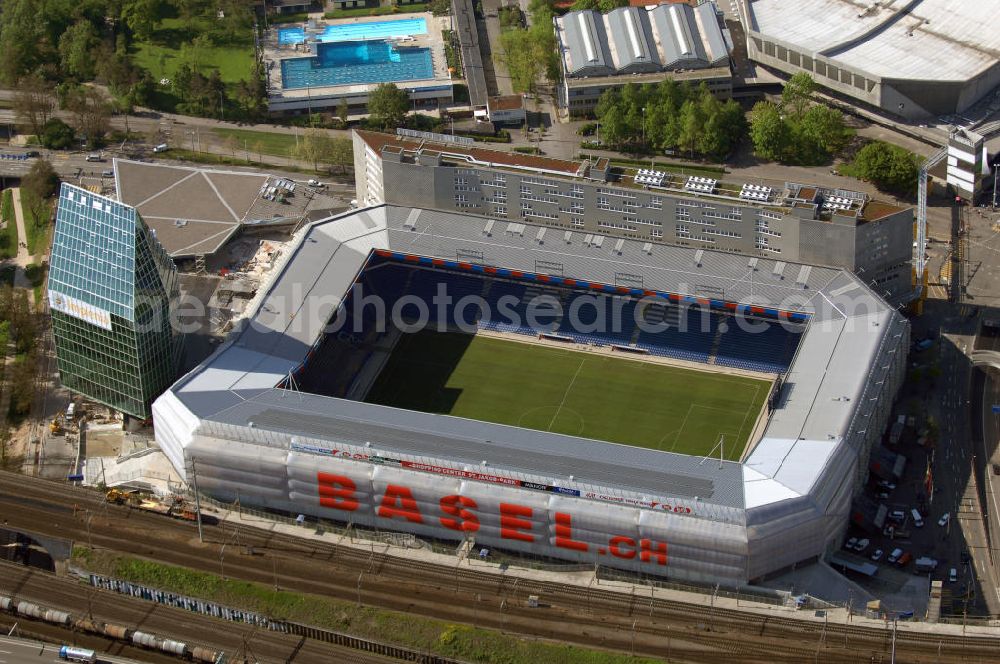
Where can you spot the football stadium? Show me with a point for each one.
(678, 412)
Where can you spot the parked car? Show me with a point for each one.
(904, 559)
(851, 543)
(952, 575)
(895, 555)
(965, 558)
(897, 515)
(316, 183)
(943, 521)
(861, 545)
(887, 485)
(31, 154)
(877, 556)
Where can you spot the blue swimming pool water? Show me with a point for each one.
(358, 31)
(347, 63)
(291, 35)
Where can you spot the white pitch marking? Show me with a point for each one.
(565, 394)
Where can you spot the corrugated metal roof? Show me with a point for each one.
(585, 44)
(641, 39)
(631, 40)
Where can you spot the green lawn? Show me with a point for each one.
(376, 11)
(571, 392)
(232, 61)
(8, 235)
(278, 145)
(38, 228)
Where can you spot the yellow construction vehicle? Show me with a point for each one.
(56, 427)
(120, 497)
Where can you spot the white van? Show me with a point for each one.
(162, 147)
(94, 156)
(918, 520)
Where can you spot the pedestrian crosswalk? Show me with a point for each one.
(937, 292)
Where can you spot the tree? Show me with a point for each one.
(56, 135)
(342, 111)
(315, 146)
(141, 17)
(796, 94)
(819, 133)
(584, 5)
(888, 166)
(39, 185)
(692, 120)
(76, 48)
(607, 5)
(768, 131)
(23, 43)
(41, 181)
(91, 113)
(342, 153)
(388, 105)
(33, 102)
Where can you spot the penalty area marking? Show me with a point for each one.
(677, 432)
(542, 409)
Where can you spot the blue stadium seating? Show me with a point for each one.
(688, 337)
(764, 346)
(690, 334)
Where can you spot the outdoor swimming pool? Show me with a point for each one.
(347, 63)
(358, 31)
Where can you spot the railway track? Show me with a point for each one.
(591, 617)
(68, 595)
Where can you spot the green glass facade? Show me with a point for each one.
(112, 293)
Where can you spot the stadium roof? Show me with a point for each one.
(944, 40)
(632, 40)
(233, 393)
(215, 203)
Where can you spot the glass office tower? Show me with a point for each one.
(112, 290)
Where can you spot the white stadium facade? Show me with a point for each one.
(913, 58)
(242, 425)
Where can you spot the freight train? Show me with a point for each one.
(111, 630)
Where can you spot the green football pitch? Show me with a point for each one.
(571, 392)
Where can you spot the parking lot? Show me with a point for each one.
(932, 513)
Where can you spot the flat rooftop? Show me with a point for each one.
(777, 196)
(934, 40)
(194, 211)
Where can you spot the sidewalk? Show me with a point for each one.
(23, 258)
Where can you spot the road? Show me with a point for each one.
(692, 630)
(23, 651)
